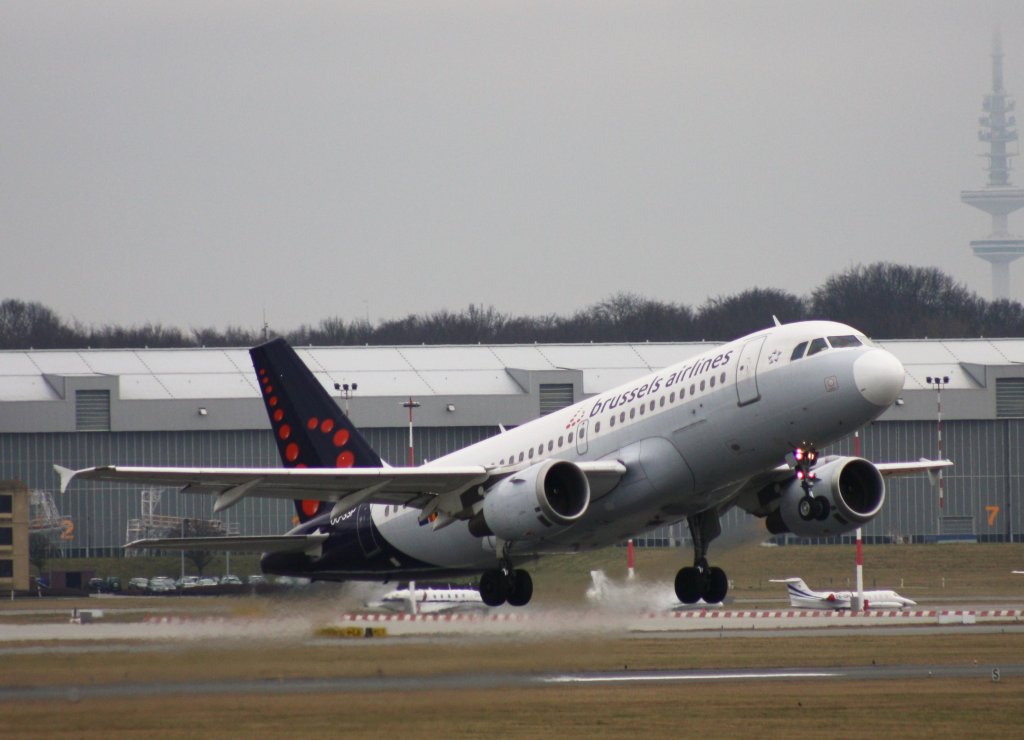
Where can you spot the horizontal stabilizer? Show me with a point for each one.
(271, 543)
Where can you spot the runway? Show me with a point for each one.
(466, 681)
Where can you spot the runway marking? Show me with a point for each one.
(686, 677)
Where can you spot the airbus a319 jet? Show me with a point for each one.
(737, 425)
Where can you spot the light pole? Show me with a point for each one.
(938, 383)
(410, 404)
(346, 391)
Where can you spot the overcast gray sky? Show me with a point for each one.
(199, 163)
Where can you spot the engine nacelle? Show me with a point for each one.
(533, 503)
(853, 489)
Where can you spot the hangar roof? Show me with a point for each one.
(163, 374)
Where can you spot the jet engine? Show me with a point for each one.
(533, 503)
(851, 492)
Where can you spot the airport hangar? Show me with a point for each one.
(201, 407)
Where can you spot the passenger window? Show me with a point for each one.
(672, 397)
(817, 346)
(844, 341)
(711, 382)
(662, 401)
(693, 389)
(702, 385)
(611, 421)
(722, 379)
(551, 445)
(632, 413)
(652, 405)
(597, 427)
(540, 449)
(561, 441)
(569, 438)
(622, 417)
(531, 453)
(798, 351)
(520, 457)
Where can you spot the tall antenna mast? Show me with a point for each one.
(999, 198)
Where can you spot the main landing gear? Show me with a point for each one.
(506, 584)
(702, 581)
(810, 506)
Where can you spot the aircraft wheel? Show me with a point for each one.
(493, 587)
(689, 585)
(716, 586)
(520, 588)
(806, 508)
(821, 508)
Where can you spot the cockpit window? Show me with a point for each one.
(798, 351)
(847, 340)
(817, 345)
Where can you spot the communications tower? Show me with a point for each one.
(999, 198)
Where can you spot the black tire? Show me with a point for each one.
(716, 586)
(493, 587)
(689, 585)
(822, 508)
(520, 588)
(806, 508)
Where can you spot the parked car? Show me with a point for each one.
(138, 584)
(230, 580)
(96, 585)
(188, 582)
(112, 585)
(162, 585)
(207, 581)
(256, 579)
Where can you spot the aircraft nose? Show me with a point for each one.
(879, 377)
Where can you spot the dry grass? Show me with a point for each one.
(926, 708)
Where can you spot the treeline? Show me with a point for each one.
(884, 300)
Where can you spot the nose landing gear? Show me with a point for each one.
(810, 506)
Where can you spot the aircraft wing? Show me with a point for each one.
(417, 487)
(910, 468)
(308, 543)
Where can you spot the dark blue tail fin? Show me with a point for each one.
(310, 429)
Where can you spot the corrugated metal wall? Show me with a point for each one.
(984, 492)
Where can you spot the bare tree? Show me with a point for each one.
(38, 551)
(24, 325)
(729, 317)
(889, 301)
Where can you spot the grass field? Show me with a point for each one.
(936, 707)
(928, 571)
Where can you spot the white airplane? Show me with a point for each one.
(413, 600)
(801, 595)
(734, 426)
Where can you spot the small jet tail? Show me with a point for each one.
(310, 429)
(796, 588)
